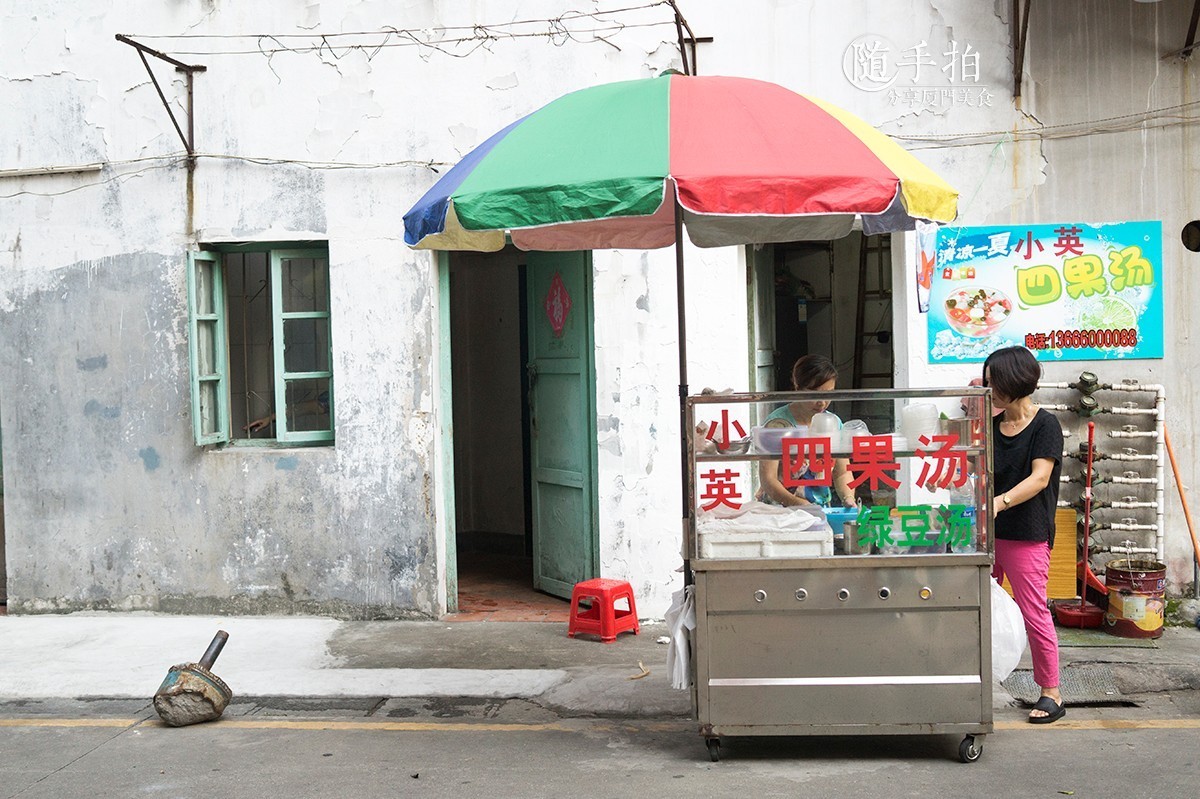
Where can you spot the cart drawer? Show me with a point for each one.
(826, 710)
(841, 648)
(883, 588)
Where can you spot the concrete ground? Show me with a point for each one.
(310, 664)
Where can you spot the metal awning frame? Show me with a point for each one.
(188, 139)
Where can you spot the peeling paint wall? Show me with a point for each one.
(108, 501)
(109, 504)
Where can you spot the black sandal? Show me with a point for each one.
(1053, 710)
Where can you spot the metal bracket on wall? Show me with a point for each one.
(689, 42)
(1020, 34)
(1185, 52)
(189, 140)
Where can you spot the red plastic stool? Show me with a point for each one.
(603, 618)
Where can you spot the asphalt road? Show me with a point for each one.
(1152, 750)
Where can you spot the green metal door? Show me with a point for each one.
(562, 420)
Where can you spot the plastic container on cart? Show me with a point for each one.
(814, 543)
(827, 425)
(769, 440)
(918, 419)
(855, 427)
(841, 520)
(965, 495)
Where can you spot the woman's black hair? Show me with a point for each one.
(810, 372)
(1014, 372)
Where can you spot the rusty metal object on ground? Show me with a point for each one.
(191, 693)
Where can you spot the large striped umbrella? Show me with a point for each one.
(744, 161)
(628, 165)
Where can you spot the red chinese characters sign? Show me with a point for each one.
(949, 467)
(720, 437)
(810, 462)
(720, 488)
(872, 461)
(807, 456)
(557, 305)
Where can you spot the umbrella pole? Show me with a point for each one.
(684, 433)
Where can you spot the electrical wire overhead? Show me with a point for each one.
(455, 41)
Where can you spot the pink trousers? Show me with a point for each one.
(1027, 565)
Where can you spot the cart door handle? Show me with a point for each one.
(801, 594)
(844, 594)
(760, 595)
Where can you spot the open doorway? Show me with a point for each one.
(523, 432)
(834, 298)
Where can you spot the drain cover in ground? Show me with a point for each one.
(1080, 685)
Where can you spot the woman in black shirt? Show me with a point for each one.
(1027, 449)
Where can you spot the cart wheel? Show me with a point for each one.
(714, 749)
(968, 750)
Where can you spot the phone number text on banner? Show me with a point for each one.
(1067, 292)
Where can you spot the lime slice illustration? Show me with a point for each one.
(1107, 313)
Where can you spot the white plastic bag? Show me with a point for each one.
(681, 620)
(1008, 633)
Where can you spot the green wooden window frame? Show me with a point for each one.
(208, 348)
(280, 316)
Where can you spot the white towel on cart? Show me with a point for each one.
(756, 517)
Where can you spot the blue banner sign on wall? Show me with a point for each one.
(1071, 292)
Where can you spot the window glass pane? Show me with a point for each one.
(308, 404)
(239, 358)
(206, 347)
(306, 345)
(204, 286)
(209, 417)
(251, 351)
(305, 284)
(252, 415)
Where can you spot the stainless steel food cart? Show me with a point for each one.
(880, 633)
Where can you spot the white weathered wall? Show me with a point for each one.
(101, 475)
(108, 501)
(637, 402)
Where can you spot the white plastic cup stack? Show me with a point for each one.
(853, 429)
(918, 419)
(826, 424)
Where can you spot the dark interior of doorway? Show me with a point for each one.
(834, 298)
(493, 497)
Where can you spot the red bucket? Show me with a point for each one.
(1136, 598)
